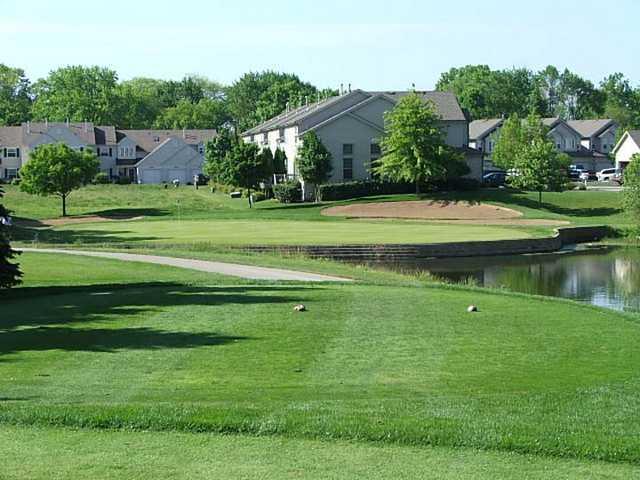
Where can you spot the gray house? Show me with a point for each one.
(121, 152)
(588, 142)
(351, 125)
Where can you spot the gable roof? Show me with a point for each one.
(171, 147)
(634, 135)
(553, 122)
(591, 128)
(148, 140)
(481, 128)
(446, 105)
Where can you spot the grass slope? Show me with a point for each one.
(389, 363)
(186, 215)
(45, 453)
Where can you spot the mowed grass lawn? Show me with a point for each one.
(173, 352)
(186, 215)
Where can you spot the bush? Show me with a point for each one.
(347, 190)
(15, 181)
(258, 196)
(124, 181)
(288, 192)
(101, 179)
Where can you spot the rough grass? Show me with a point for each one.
(45, 453)
(388, 363)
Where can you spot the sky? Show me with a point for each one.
(374, 44)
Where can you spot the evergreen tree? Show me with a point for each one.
(9, 272)
(314, 162)
(279, 162)
(631, 192)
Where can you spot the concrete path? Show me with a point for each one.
(232, 269)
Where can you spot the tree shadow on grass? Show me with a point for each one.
(75, 320)
(83, 236)
(129, 213)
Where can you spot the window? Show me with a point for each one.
(201, 149)
(375, 153)
(281, 134)
(110, 152)
(11, 152)
(265, 138)
(347, 168)
(347, 161)
(156, 139)
(10, 172)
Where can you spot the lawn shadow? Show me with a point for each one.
(80, 236)
(78, 319)
(129, 213)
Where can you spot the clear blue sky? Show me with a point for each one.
(377, 44)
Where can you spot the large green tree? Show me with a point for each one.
(15, 96)
(206, 113)
(259, 96)
(9, 271)
(78, 93)
(631, 192)
(216, 156)
(413, 147)
(313, 162)
(622, 101)
(57, 169)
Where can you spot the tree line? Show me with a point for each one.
(96, 94)
(80, 93)
(487, 93)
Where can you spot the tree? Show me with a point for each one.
(140, 102)
(631, 192)
(257, 97)
(540, 167)
(413, 147)
(9, 272)
(314, 162)
(622, 102)
(246, 167)
(216, 158)
(78, 93)
(507, 143)
(279, 162)
(56, 169)
(15, 96)
(206, 113)
(266, 159)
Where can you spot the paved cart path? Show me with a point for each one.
(232, 269)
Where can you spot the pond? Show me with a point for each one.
(607, 277)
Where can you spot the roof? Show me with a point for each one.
(32, 130)
(446, 104)
(105, 135)
(633, 134)
(481, 128)
(10, 136)
(591, 128)
(148, 140)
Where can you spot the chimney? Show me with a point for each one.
(86, 126)
(28, 127)
(288, 106)
(46, 123)
(67, 122)
(349, 88)
(342, 89)
(306, 101)
(184, 132)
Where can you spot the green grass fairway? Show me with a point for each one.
(389, 363)
(45, 453)
(301, 232)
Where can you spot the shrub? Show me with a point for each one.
(259, 196)
(124, 180)
(101, 179)
(288, 192)
(15, 181)
(347, 190)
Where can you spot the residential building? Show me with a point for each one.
(350, 127)
(587, 142)
(626, 148)
(177, 154)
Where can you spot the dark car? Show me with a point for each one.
(494, 179)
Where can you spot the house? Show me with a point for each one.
(587, 142)
(121, 152)
(350, 127)
(627, 147)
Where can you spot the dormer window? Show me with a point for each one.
(156, 138)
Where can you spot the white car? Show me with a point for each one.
(606, 175)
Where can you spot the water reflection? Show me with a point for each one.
(605, 277)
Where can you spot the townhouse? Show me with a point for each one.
(351, 125)
(626, 148)
(589, 143)
(144, 156)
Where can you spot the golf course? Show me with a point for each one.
(122, 369)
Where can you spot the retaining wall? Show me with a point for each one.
(386, 252)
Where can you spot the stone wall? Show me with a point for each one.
(563, 236)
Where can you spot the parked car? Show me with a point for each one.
(494, 179)
(606, 175)
(618, 178)
(577, 173)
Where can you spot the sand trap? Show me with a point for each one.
(424, 210)
(441, 211)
